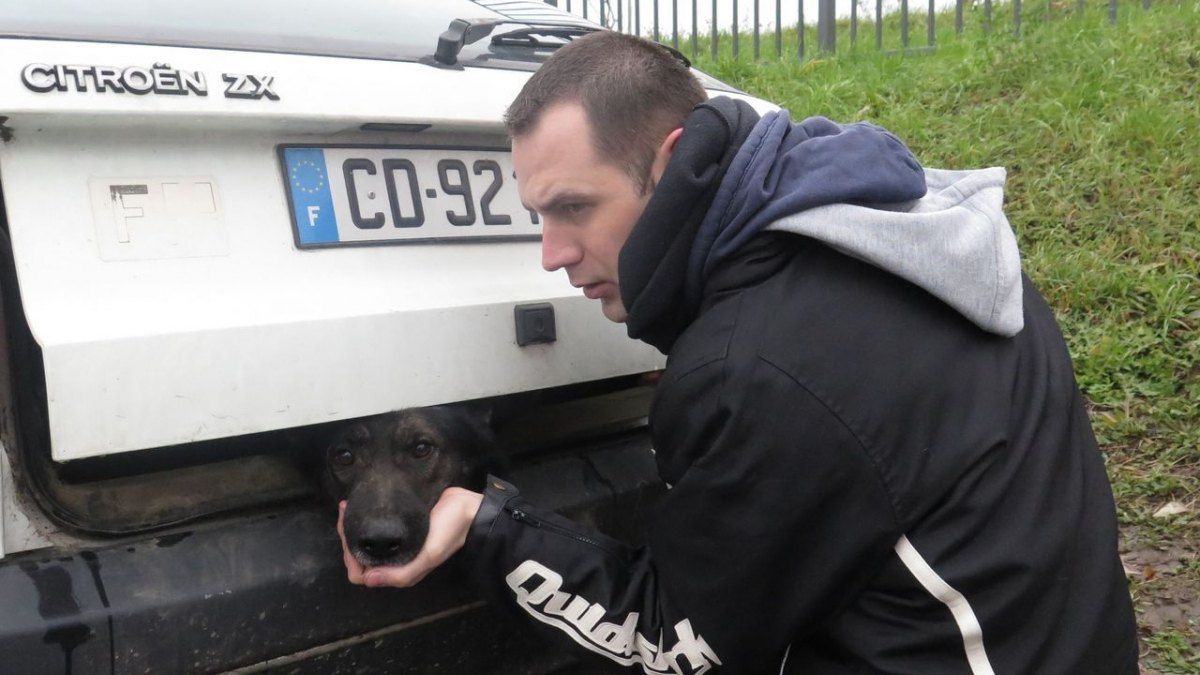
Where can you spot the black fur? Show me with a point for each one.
(392, 468)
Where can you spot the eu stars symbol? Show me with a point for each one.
(307, 177)
(312, 203)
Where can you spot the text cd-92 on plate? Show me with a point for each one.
(377, 195)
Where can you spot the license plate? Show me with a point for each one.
(394, 195)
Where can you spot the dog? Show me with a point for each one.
(392, 468)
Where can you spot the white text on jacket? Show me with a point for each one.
(538, 592)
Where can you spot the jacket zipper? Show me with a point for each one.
(522, 517)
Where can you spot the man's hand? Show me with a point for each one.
(449, 523)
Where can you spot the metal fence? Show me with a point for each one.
(626, 16)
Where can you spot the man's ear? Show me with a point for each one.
(663, 155)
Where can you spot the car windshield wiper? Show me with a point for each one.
(528, 37)
(463, 32)
(532, 36)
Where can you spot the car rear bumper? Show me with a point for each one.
(267, 593)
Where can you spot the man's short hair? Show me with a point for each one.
(633, 91)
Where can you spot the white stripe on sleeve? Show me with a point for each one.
(964, 616)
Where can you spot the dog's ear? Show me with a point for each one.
(473, 422)
(481, 410)
(478, 414)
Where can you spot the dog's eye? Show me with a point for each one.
(422, 449)
(343, 456)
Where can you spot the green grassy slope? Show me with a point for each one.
(1099, 128)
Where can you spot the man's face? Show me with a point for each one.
(588, 206)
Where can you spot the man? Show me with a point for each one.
(879, 459)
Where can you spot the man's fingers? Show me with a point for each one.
(400, 576)
(395, 577)
(354, 571)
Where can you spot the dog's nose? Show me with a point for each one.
(382, 547)
(383, 541)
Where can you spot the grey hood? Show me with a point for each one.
(955, 242)
(858, 188)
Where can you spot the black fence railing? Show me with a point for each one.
(629, 16)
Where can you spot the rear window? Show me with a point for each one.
(389, 30)
(394, 30)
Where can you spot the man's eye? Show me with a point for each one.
(574, 209)
(422, 449)
(343, 456)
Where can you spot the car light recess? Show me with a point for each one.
(395, 127)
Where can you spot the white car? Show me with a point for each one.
(224, 225)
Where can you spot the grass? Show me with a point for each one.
(1099, 127)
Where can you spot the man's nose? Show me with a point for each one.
(559, 249)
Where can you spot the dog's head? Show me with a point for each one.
(391, 469)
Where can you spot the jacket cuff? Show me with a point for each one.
(495, 496)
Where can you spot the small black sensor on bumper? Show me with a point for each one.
(535, 323)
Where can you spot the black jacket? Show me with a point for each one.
(862, 482)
